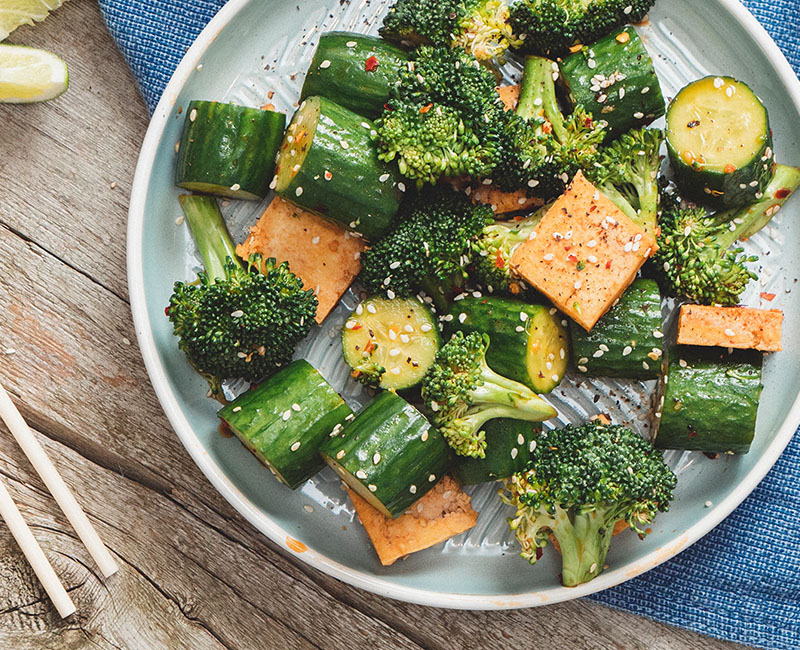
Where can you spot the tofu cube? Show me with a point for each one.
(324, 255)
(584, 253)
(509, 95)
(504, 202)
(730, 327)
(443, 512)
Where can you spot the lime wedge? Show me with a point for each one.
(14, 13)
(30, 75)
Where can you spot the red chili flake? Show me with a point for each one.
(547, 128)
(572, 257)
(371, 64)
(357, 327)
(539, 553)
(588, 122)
(369, 347)
(426, 108)
(386, 106)
(608, 264)
(783, 193)
(729, 169)
(568, 247)
(499, 262)
(767, 296)
(166, 310)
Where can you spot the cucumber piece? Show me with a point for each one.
(719, 142)
(228, 150)
(285, 420)
(390, 343)
(508, 450)
(615, 81)
(710, 400)
(528, 342)
(355, 71)
(389, 454)
(329, 165)
(627, 341)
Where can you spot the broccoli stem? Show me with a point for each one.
(509, 398)
(619, 199)
(748, 220)
(210, 233)
(537, 96)
(584, 544)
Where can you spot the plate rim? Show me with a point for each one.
(262, 522)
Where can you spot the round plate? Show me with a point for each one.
(252, 48)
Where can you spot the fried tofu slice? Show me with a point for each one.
(443, 512)
(731, 327)
(321, 253)
(503, 202)
(584, 253)
(509, 95)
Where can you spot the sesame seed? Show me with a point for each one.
(523, 316)
(390, 294)
(708, 504)
(638, 115)
(627, 350)
(626, 11)
(235, 187)
(404, 338)
(645, 90)
(296, 407)
(274, 183)
(729, 332)
(401, 186)
(562, 353)
(548, 257)
(658, 334)
(392, 335)
(583, 360)
(432, 478)
(533, 182)
(426, 327)
(519, 328)
(241, 355)
(236, 409)
(591, 243)
(729, 91)
(514, 452)
(193, 115)
(325, 64)
(287, 414)
(384, 177)
(424, 436)
(597, 354)
(520, 439)
(591, 259)
(622, 92)
(376, 458)
(299, 191)
(583, 369)
(462, 317)
(350, 44)
(345, 144)
(412, 489)
(361, 474)
(340, 454)
(350, 324)
(295, 446)
(315, 240)
(645, 365)
(372, 487)
(554, 377)
(434, 406)
(371, 309)
(603, 347)
(592, 64)
(577, 284)
(628, 247)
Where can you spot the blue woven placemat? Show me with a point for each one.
(741, 582)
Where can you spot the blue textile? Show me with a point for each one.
(741, 582)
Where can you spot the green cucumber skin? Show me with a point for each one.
(635, 322)
(354, 196)
(346, 80)
(610, 56)
(712, 403)
(256, 417)
(508, 347)
(391, 427)
(503, 435)
(228, 145)
(717, 189)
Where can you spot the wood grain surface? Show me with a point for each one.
(193, 573)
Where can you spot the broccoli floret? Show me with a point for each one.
(369, 373)
(236, 321)
(479, 26)
(429, 248)
(543, 149)
(552, 27)
(582, 480)
(462, 393)
(494, 248)
(626, 171)
(430, 141)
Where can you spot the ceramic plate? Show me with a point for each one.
(252, 48)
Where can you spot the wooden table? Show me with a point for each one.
(193, 574)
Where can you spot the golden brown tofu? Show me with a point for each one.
(584, 253)
(443, 512)
(509, 95)
(731, 327)
(321, 253)
(503, 202)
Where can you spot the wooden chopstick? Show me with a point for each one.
(30, 547)
(52, 479)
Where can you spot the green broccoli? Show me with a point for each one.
(544, 149)
(581, 480)
(236, 321)
(428, 249)
(462, 393)
(695, 259)
(479, 26)
(626, 171)
(553, 27)
(369, 373)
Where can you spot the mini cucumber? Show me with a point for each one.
(710, 400)
(285, 419)
(719, 143)
(389, 454)
(615, 81)
(390, 343)
(329, 165)
(228, 150)
(528, 342)
(355, 71)
(508, 450)
(627, 341)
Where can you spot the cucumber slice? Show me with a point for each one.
(626, 342)
(614, 80)
(508, 450)
(719, 142)
(228, 150)
(329, 165)
(710, 400)
(390, 343)
(285, 420)
(389, 454)
(529, 343)
(355, 71)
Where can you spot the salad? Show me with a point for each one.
(505, 235)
